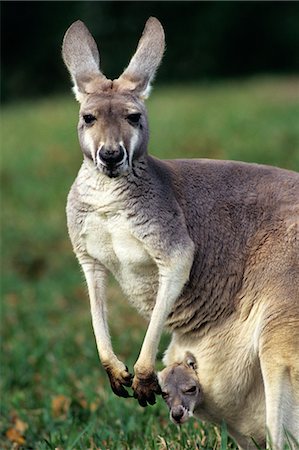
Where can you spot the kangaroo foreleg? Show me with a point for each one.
(119, 376)
(171, 282)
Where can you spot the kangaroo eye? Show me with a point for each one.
(134, 118)
(89, 118)
(191, 390)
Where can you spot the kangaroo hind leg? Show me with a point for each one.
(279, 355)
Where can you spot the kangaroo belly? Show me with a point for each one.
(229, 374)
(109, 240)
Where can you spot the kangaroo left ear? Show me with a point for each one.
(144, 63)
(190, 361)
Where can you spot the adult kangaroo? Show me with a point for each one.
(201, 247)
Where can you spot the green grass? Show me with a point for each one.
(54, 392)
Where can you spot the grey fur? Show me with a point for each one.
(195, 244)
(227, 209)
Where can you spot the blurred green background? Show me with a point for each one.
(228, 88)
(205, 40)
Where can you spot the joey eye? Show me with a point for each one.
(133, 118)
(191, 390)
(165, 395)
(89, 119)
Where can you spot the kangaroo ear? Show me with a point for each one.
(144, 63)
(81, 56)
(190, 361)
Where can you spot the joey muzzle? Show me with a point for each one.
(178, 414)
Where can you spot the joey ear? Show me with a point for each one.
(81, 56)
(144, 63)
(190, 361)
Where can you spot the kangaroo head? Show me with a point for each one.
(181, 389)
(113, 128)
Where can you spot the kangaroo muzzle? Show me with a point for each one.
(112, 160)
(179, 414)
(110, 156)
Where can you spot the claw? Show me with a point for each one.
(145, 389)
(152, 399)
(128, 378)
(142, 402)
(118, 382)
(120, 391)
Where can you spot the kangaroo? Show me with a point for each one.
(206, 249)
(181, 389)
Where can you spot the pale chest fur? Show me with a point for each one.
(108, 239)
(107, 235)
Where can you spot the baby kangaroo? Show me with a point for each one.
(181, 389)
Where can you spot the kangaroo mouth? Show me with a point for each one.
(112, 172)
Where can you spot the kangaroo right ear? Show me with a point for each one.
(81, 56)
(190, 361)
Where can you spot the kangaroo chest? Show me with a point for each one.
(109, 239)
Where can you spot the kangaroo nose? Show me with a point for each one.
(111, 156)
(177, 413)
